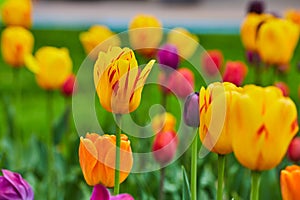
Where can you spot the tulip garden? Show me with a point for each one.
(149, 113)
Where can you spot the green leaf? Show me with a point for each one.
(61, 126)
(186, 191)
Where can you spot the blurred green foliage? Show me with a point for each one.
(26, 152)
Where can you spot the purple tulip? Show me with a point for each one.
(256, 6)
(168, 57)
(14, 187)
(101, 193)
(191, 110)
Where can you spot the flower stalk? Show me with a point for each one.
(117, 164)
(194, 166)
(255, 182)
(221, 169)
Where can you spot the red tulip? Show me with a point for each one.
(283, 87)
(293, 152)
(212, 62)
(69, 86)
(181, 82)
(235, 72)
(164, 146)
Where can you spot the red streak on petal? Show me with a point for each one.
(111, 76)
(294, 125)
(262, 130)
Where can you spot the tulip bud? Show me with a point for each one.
(191, 110)
(256, 6)
(293, 152)
(212, 62)
(13, 186)
(181, 82)
(235, 72)
(283, 87)
(69, 87)
(168, 57)
(164, 146)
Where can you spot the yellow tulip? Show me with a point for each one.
(250, 27)
(97, 35)
(185, 42)
(118, 81)
(145, 34)
(16, 43)
(17, 13)
(215, 108)
(97, 158)
(289, 182)
(277, 40)
(163, 122)
(263, 124)
(293, 15)
(52, 66)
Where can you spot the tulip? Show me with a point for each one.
(97, 158)
(249, 29)
(293, 15)
(145, 34)
(276, 41)
(289, 182)
(283, 87)
(212, 62)
(168, 57)
(256, 6)
(51, 66)
(118, 80)
(16, 43)
(235, 72)
(13, 186)
(185, 42)
(98, 35)
(101, 193)
(164, 146)
(69, 87)
(181, 82)
(215, 108)
(191, 110)
(163, 122)
(17, 13)
(264, 121)
(253, 58)
(293, 152)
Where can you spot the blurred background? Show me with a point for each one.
(199, 16)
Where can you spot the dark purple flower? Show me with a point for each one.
(191, 110)
(14, 187)
(256, 6)
(168, 57)
(101, 193)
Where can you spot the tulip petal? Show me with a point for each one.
(289, 182)
(284, 111)
(100, 193)
(32, 64)
(122, 197)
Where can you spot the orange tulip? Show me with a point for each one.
(118, 80)
(17, 13)
(262, 127)
(293, 15)
(97, 158)
(163, 122)
(16, 43)
(289, 182)
(215, 108)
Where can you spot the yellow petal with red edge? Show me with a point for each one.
(246, 143)
(280, 123)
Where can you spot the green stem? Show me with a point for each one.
(161, 183)
(49, 142)
(255, 182)
(221, 169)
(194, 166)
(117, 164)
